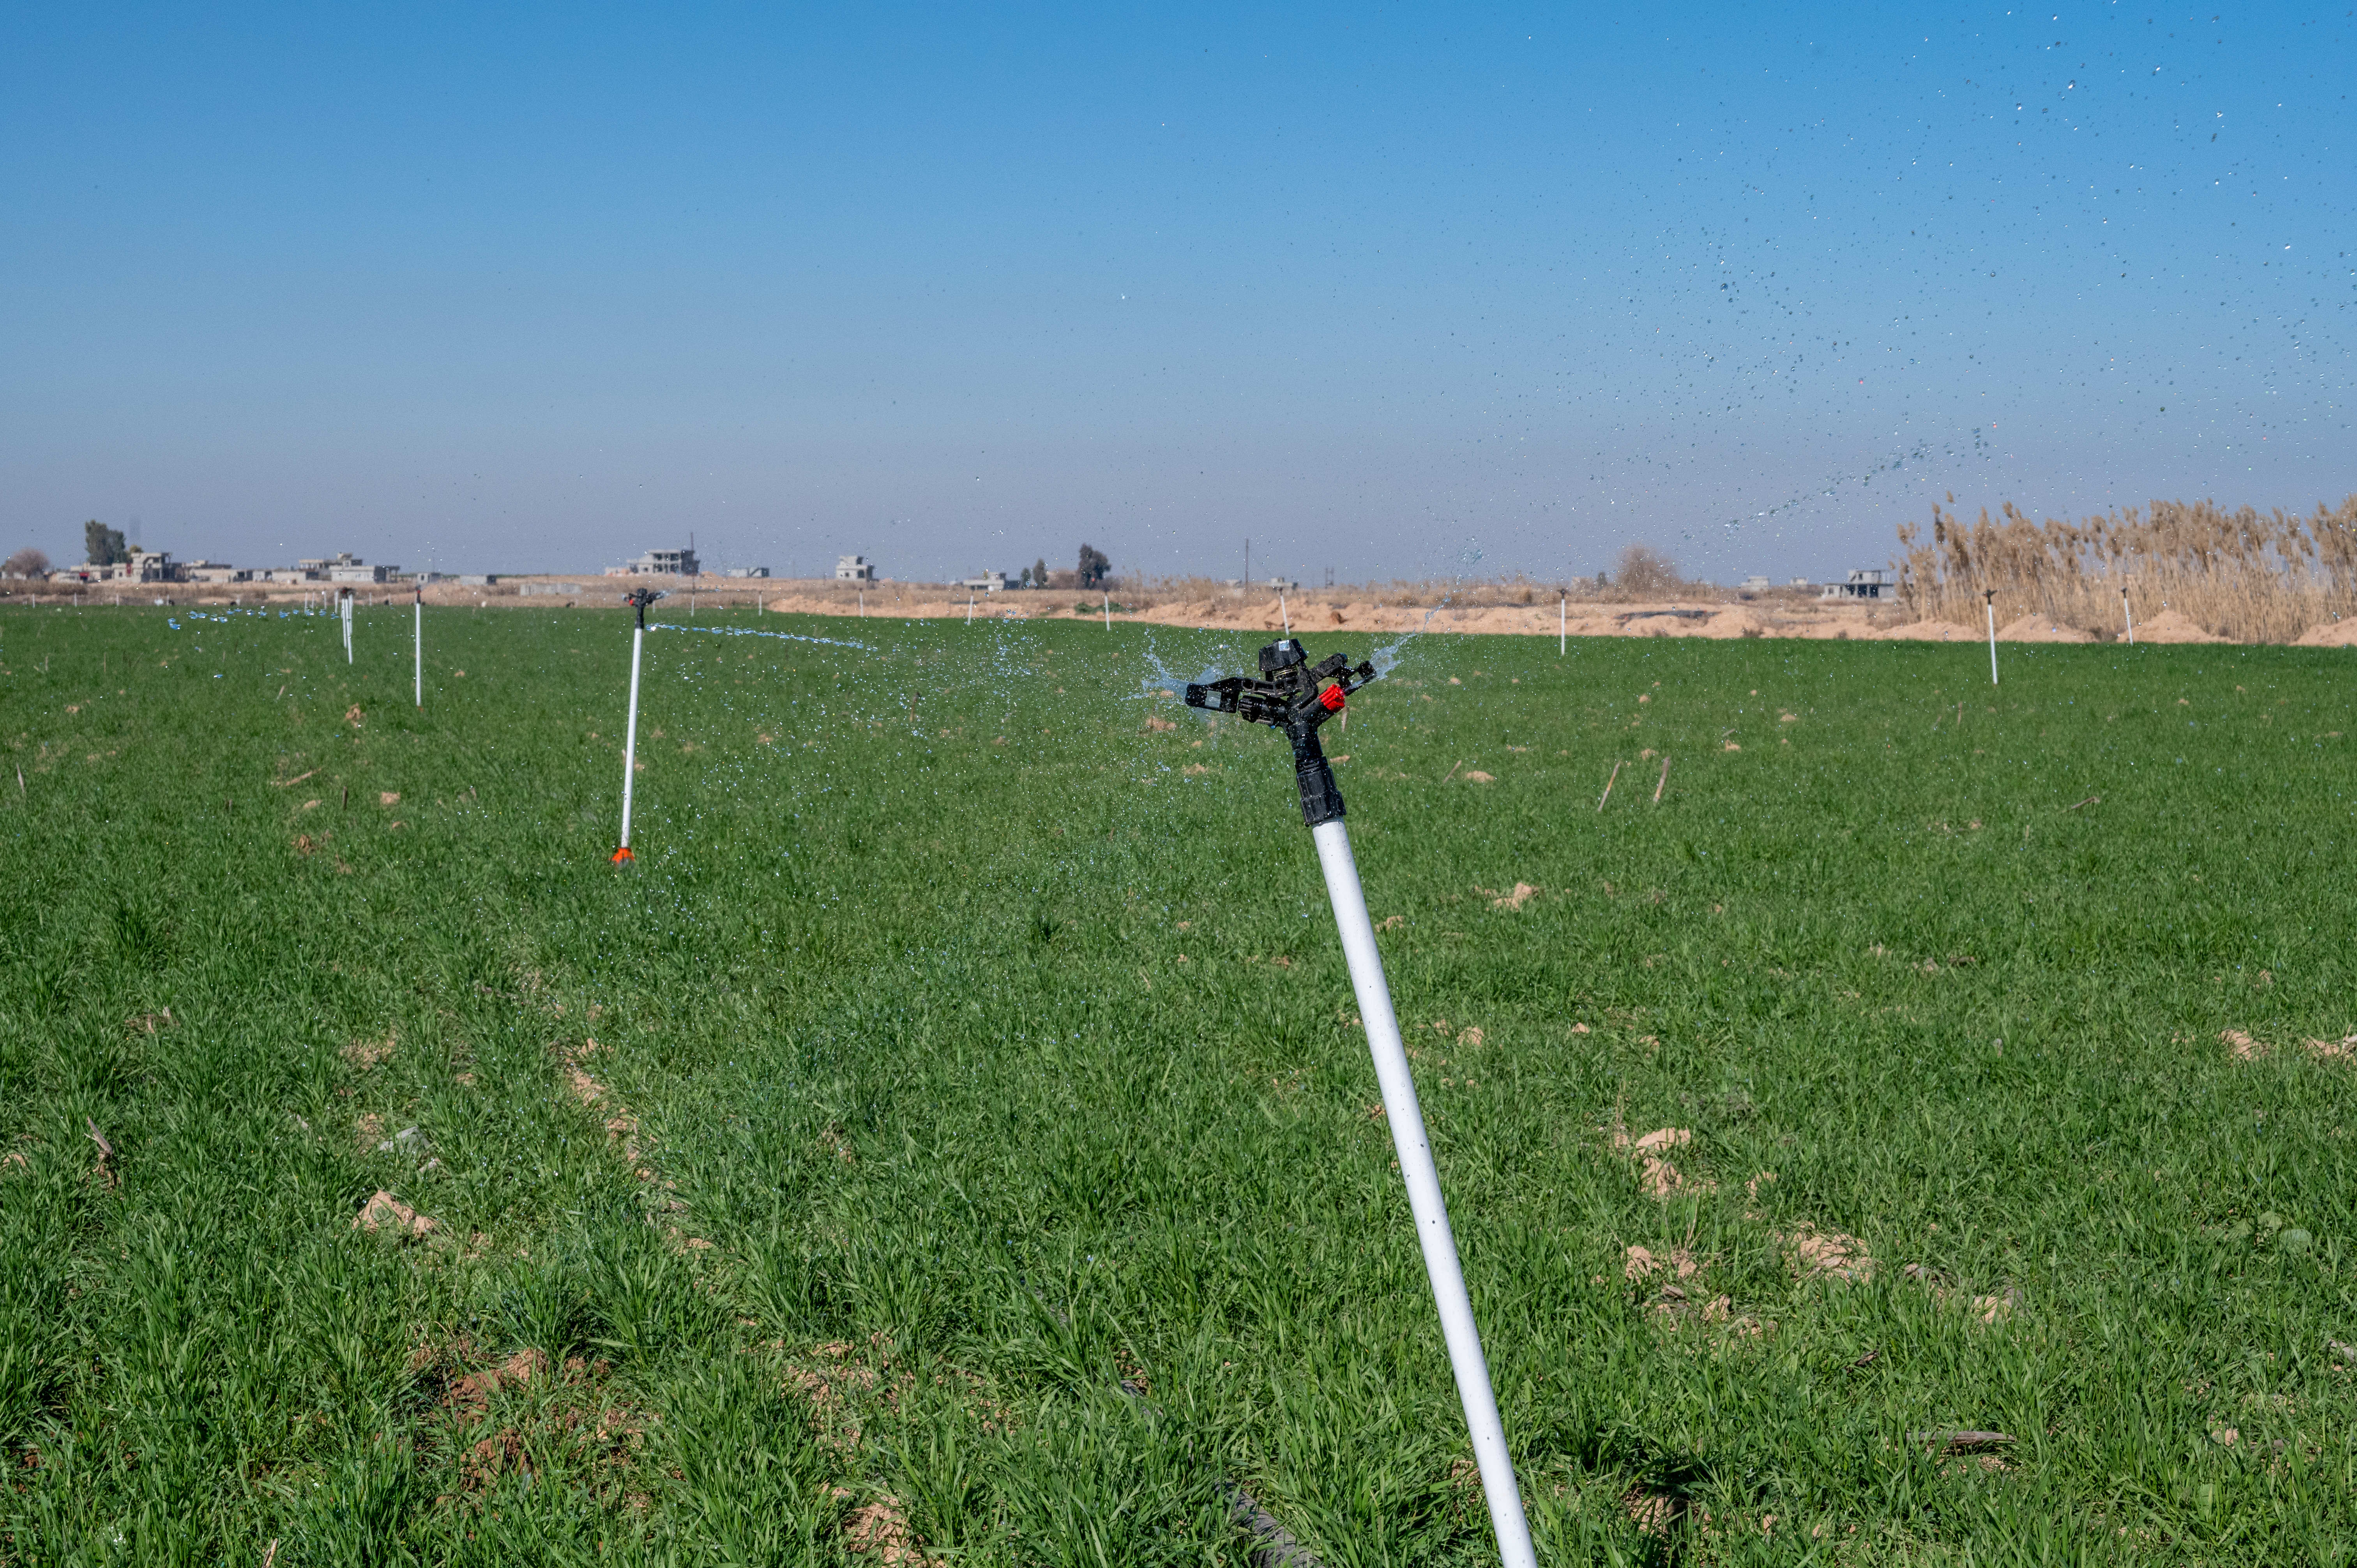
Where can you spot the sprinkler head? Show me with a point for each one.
(623, 854)
(639, 599)
(1289, 697)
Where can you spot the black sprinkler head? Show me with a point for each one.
(639, 599)
(1287, 697)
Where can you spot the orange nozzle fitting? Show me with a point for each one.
(1332, 700)
(622, 854)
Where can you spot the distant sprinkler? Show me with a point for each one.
(638, 599)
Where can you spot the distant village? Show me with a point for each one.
(111, 561)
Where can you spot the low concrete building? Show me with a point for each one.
(1862, 586)
(983, 581)
(140, 566)
(666, 564)
(853, 569)
(218, 572)
(748, 571)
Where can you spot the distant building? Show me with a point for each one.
(1755, 583)
(217, 572)
(983, 581)
(353, 570)
(323, 568)
(142, 566)
(478, 579)
(667, 564)
(853, 569)
(1798, 583)
(1863, 586)
(748, 571)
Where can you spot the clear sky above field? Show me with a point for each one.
(1386, 291)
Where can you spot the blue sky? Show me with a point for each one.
(1392, 292)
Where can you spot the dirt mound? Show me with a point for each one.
(2173, 626)
(2329, 634)
(1732, 623)
(1933, 631)
(2042, 628)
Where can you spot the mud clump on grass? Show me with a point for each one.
(882, 1527)
(2244, 1047)
(1827, 1254)
(1639, 1262)
(471, 1394)
(384, 1211)
(366, 1054)
(1656, 1177)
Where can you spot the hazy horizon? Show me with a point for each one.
(1398, 294)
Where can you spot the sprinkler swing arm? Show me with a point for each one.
(1291, 695)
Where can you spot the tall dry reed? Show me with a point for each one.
(2246, 574)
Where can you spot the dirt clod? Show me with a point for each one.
(384, 1211)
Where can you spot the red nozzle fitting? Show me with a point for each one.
(1332, 699)
(622, 854)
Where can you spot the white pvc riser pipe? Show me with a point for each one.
(420, 653)
(1991, 607)
(1425, 1202)
(630, 732)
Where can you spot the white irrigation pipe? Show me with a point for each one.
(347, 627)
(1563, 626)
(1286, 614)
(1991, 606)
(1423, 1195)
(2130, 614)
(419, 662)
(630, 734)
(1108, 612)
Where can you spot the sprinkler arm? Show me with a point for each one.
(1287, 697)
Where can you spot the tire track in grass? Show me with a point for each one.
(881, 1525)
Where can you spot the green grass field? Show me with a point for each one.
(964, 1047)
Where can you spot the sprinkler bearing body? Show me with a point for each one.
(1287, 697)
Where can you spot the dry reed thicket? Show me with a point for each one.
(2245, 574)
